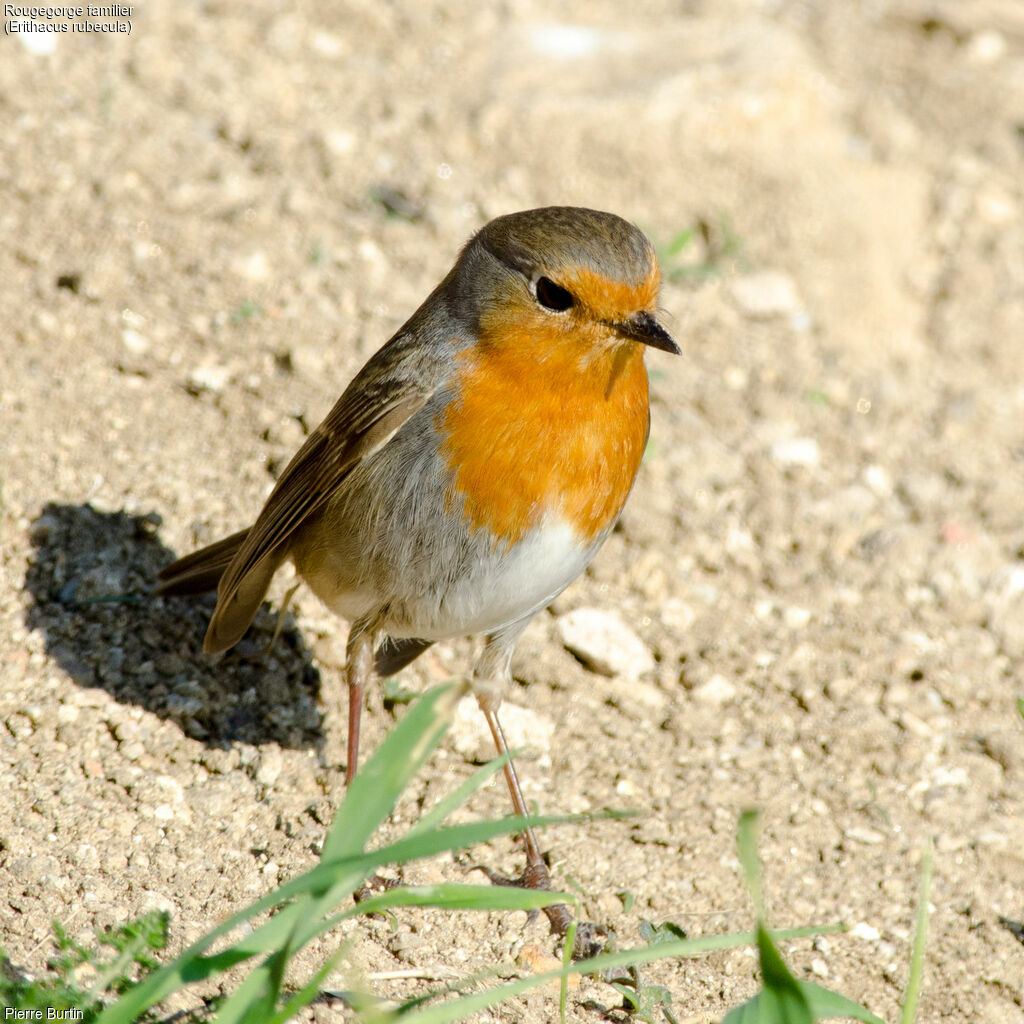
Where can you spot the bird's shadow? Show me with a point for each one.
(90, 579)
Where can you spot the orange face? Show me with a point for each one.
(552, 416)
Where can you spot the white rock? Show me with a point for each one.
(254, 266)
(134, 341)
(986, 47)
(867, 836)
(270, 767)
(865, 931)
(39, 44)
(603, 642)
(717, 690)
(524, 729)
(677, 615)
(878, 479)
(797, 451)
(565, 42)
(209, 378)
(765, 294)
(795, 617)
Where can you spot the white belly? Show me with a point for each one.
(503, 588)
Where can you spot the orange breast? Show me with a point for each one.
(541, 427)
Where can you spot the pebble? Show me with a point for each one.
(797, 451)
(1004, 597)
(211, 377)
(867, 836)
(604, 643)
(717, 691)
(254, 266)
(795, 617)
(765, 294)
(677, 615)
(270, 767)
(986, 47)
(865, 931)
(136, 342)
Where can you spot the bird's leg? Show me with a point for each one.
(536, 874)
(358, 666)
(491, 673)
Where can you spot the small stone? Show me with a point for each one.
(677, 615)
(211, 377)
(878, 480)
(867, 836)
(717, 691)
(865, 931)
(254, 266)
(796, 618)
(986, 47)
(270, 767)
(604, 643)
(797, 451)
(765, 294)
(19, 726)
(136, 342)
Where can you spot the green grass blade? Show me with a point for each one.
(459, 896)
(252, 999)
(920, 939)
(440, 811)
(825, 1003)
(782, 999)
(193, 965)
(454, 837)
(821, 1003)
(567, 948)
(308, 992)
(377, 786)
(746, 841)
(458, 1009)
(370, 799)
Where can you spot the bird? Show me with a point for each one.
(472, 468)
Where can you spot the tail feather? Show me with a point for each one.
(199, 572)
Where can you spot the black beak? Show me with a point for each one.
(644, 328)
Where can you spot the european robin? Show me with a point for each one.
(472, 468)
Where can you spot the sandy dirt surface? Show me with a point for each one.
(207, 225)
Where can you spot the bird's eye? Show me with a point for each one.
(553, 296)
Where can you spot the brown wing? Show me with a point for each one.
(393, 386)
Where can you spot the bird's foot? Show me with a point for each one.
(590, 937)
(375, 884)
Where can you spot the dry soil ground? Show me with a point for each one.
(209, 222)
